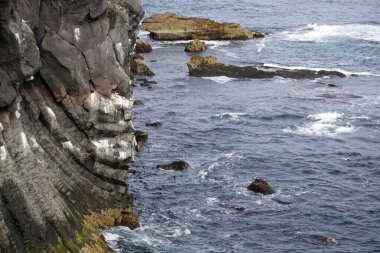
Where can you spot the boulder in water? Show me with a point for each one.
(140, 67)
(323, 240)
(261, 186)
(143, 47)
(196, 46)
(176, 166)
(171, 26)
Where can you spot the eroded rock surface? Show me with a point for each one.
(196, 46)
(176, 166)
(210, 66)
(66, 137)
(143, 47)
(171, 26)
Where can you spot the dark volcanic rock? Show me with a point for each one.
(261, 186)
(143, 47)
(209, 66)
(154, 124)
(170, 26)
(196, 46)
(177, 166)
(66, 132)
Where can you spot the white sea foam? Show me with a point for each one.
(347, 73)
(217, 43)
(219, 79)
(111, 236)
(233, 116)
(326, 117)
(323, 124)
(323, 33)
(229, 53)
(233, 155)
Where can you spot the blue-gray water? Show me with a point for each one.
(318, 146)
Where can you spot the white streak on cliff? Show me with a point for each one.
(24, 140)
(3, 153)
(77, 34)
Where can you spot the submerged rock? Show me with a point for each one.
(210, 66)
(261, 186)
(138, 102)
(171, 26)
(196, 46)
(143, 47)
(154, 124)
(323, 240)
(140, 67)
(177, 166)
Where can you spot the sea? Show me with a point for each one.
(316, 141)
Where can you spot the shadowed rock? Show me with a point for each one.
(196, 46)
(176, 166)
(261, 186)
(210, 66)
(170, 26)
(143, 47)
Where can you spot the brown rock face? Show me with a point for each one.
(196, 46)
(170, 26)
(210, 66)
(143, 47)
(140, 67)
(261, 186)
(66, 132)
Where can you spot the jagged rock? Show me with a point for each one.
(170, 26)
(66, 128)
(143, 47)
(210, 66)
(196, 46)
(154, 124)
(261, 186)
(138, 102)
(176, 166)
(140, 67)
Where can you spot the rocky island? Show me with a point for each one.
(65, 120)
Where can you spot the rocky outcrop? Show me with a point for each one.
(210, 66)
(176, 166)
(140, 67)
(196, 46)
(143, 47)
(261, 186)
(66, 137)
(170, 26)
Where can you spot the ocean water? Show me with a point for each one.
(317, 145)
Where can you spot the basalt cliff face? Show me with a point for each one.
(66, 135)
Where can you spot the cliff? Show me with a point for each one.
(66, 137)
